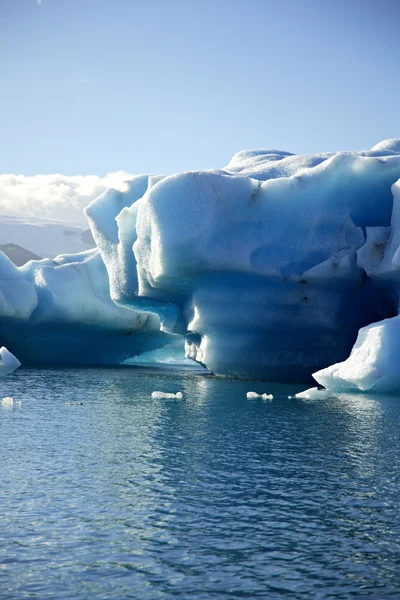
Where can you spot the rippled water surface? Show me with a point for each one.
(212, 496)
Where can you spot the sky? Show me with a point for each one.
(160, 86)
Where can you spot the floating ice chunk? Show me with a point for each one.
(312, 393)
(73, 403)
(7, 401)
(178, 395)
(254, 395)
(373, 365)
(8, 362)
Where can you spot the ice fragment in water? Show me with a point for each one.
(178, 395)
(312, 393)
(7, 401)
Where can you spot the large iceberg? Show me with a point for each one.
(267, 268)
(255, 264)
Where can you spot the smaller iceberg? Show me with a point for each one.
(167, 395)
(254, 395)
(312, 393)
(9, 362)
(374, 362)
(60, 312)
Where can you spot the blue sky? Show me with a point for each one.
(92, 86)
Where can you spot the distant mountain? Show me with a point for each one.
(28, 238)
(17, 254)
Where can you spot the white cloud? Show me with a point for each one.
(59, 197)
(39, 2)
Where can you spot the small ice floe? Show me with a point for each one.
(73, 403)
(178, 395)
(312, 393)
(254, 395)
(7, 401)
(8, 363)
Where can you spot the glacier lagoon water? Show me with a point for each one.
(213, 496)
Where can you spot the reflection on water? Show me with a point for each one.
(212, 496)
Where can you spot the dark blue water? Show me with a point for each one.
(213, 496)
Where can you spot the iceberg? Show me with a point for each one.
(267, 269)
(255, 265)
(312, 394)
(60, 312)
(374, 363)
